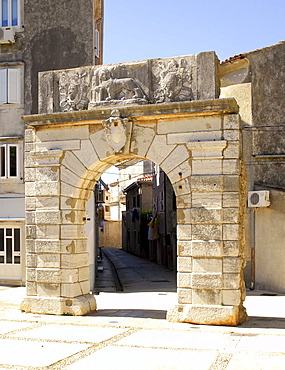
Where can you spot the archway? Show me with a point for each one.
(196, 143)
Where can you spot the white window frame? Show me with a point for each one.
(7, 168)
(19, 15)
(14, 253)
(10, 85)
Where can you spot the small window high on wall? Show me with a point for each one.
(10, 81)
(10, 13)
(9, 160)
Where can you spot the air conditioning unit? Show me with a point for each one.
(258, 198)
(7, 35)
(100, 196)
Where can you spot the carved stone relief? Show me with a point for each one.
(109, 90)
(116, 130)
(174, 80)
(73, 90)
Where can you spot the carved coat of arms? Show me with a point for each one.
(115, 130)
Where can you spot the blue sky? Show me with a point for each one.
(143, 29)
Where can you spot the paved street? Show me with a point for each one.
(129, 330)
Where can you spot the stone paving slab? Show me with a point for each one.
(249, 361)
(9, 326)
(70, 333)
(130, 358)
(34, 353)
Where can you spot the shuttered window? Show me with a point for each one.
(10, 85)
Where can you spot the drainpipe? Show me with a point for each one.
(252, 225)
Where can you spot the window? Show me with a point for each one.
(10, 85)
(10, 245)
(10, 13)
(8, 160)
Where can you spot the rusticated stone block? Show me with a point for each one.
(207, 296)
(232, 297)
(207, 232)
(184, 280)
(48, 290)
(207, 248)
(48, 260)
(231, 281)
(207, 200)
(184, 232)
(184, 248)
(184, 295)
(208, 265)
(46, 275)
(231, 215)
(232, 264)
(74, 260)
(231, 248)
(231, 199)
(207, 281)
(205, 216)
(47, 246)
(231, 232)
(31, 288)
(207, 183)
(231, 122)
(184, 264)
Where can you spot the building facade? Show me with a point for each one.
(34, 36)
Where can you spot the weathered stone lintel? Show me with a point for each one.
(207, 314)
(77, 306)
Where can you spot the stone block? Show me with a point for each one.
(208, 123)
(30, 246)
(231, 122)
(182, 171)
(159, 149)
(47, 202)
(179, 155)
(207, 200)
(206, 232)
(207, 265)
(30, 203)
(231, 183)
(31, 260)
(184, 248)
(48, 290)
(183, 280)
(209, 149)
(71, 290)
(73, 246)
(188, 137)
(31, 231)
(31, 274)
(48, 217)
(208, 85)
(71, 261)
(231, 215)
(73, 217)
(232, 135)
(231, 232)
(69, 177)
(58, 144)
(30, 174)
(206, 166)
(207, 296)
(184, 296)
(231, 248)
(47, 188)
(231, 166)
(29, 135)
(47, 231)
(103, 151)
(87, 155)
(31, 288)
(232, 264)
(207, 248)
(233, 150)
(84, 273)
(76, 133)
(72, 231)
(183, 201)
(184, 232)
(184, 264)
(231, 281)
(69, 275)
(85, 287)
(47, 246)
(46, 275)
(231, 297)
(184, 215)
(47, 173)
(207, 281)
(205, 216)
(72, 203)
(30, 189)
(182, 187)
(30, 217)
(212, 183)
(71, 162)
(48, 260)
(142, 138)
(231, 199)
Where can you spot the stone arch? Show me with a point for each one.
(196, 144)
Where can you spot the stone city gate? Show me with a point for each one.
(164, 110)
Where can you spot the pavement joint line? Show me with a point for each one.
(12, 332)
(90, 350)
